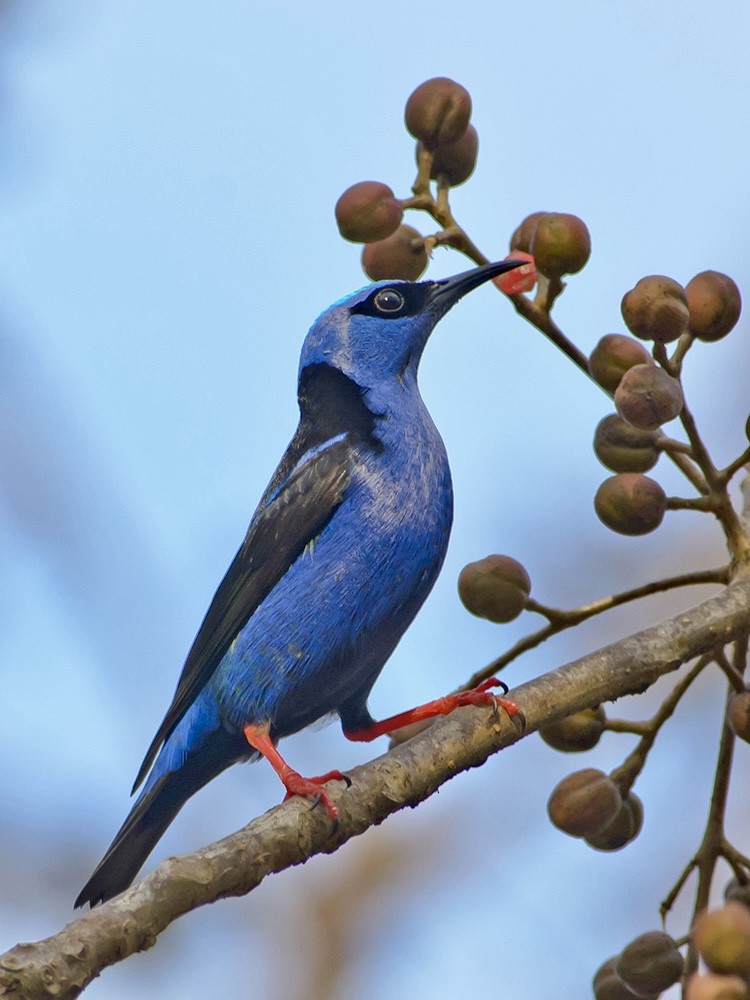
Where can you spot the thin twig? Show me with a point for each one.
(624, 776)
(713, 842)
(561, 620)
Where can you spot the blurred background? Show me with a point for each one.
(167, 180)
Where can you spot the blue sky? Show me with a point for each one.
(167, 180)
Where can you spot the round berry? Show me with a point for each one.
(650, 964)
(656, 309)
(648, 397)
(455, 161)
(713, 986)
(613, 356)
(561, 244)
(624, 448)
(438, 112)
(608, 985)
(579, 731)
(368, 211)
(584, 803)
(401, 255)
(630, 503)
(624, 827)
(496, 587)
(738, 715)
(723, 938)
(523, 235)
(714, 304)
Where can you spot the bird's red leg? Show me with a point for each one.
(480, 695)
(311, 788)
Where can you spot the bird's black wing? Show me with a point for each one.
(308, 487)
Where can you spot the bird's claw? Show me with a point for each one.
(483, 695)
(310, 788)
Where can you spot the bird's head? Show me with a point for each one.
(380, 331)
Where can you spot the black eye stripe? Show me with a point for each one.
(411, 300)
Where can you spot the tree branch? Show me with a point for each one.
(62, 965)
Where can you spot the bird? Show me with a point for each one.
(343, 549)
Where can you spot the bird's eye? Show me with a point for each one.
(388, 300)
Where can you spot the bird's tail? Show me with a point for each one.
(156, 807)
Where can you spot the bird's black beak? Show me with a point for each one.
(448, 291)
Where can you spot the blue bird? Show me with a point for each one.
(345, 545)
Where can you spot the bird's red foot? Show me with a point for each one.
(480, 695)
(311, 788)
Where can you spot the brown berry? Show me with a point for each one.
(723, 938)
(712, 986)
(714, 303)
(438, 112)
(523, 235)
(624, 827)
(650, 964)
(612, 357)
(496, 588)
(648, 397)
(561, 244)
(579, 731)
(401, 255)
(455, 161)
(738, 892)
(608, 985)
(584, 803)
(368, 211)
(656, 309)
(630, 503)
(738, 715)
(624, 448)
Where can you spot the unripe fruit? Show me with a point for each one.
(368, 211)
(647, 397)
(624, 448)
(624, 827)
(613, 356)
(579, 731)
(650, 964)
(723, 939)
(438, 112)
(738, 715)
(402, 255)
(656, 309)
(523, 235)
(714, 303)
(608, 985)
(496, 588)
(630, 503)
(712, 986)
(456, 160)
(561, 244)
(584, 803)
